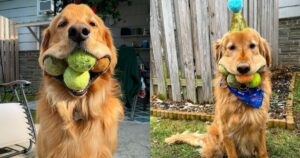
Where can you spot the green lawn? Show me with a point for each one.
(281, 143)
(8, 97)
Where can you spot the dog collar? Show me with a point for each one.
(251, 96)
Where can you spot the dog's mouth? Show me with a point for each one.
(93, 76)
(259, 69)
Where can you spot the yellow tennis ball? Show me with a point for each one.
(76, 80)
(54, 66)
(223, 70)
(232, 82)
(244, 78)
(255, 82)
(81, 61)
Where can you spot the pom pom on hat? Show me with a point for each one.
(235, 5)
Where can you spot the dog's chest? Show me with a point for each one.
(244, 126)
(236, 115)
(250, 118)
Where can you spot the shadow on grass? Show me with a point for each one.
(280, 143)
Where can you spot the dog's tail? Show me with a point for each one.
(194, 139)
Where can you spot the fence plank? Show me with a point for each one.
(12, 57)
(156, 45)
(152, 73)
(170, 47)
(275, 49)
(1, 28)
(8, 51)
(5, 60)
(12, 60)
(196, 47)
(184, 35)
(219, 21)
(198, 24)
(1, 50)
(245, 10)
(6, 28)
(203, 43)
(221, 18)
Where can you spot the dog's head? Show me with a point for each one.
(243, 52)
(77, 27)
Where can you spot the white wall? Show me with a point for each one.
(289, 8)
(136, 15)
(22, 11)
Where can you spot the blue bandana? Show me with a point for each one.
(251, 96)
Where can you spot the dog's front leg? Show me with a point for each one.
(230, 147)
(262, 149)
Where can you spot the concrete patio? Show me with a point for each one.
(134, 141)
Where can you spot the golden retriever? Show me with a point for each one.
(237, 129)
(79, 124)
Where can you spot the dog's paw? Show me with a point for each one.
(170, 140)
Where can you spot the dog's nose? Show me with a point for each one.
(79, 32)
(243, 67)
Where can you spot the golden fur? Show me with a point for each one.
(60, 134)
(237, 130)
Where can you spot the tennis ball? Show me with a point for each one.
(223, 70)
(54, 66)
(244, 78)
(255, 82)
(232, 82)
(81, 61)
(101, 65)
(75, 80)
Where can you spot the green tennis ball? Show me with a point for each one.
(54, 66)
(232, 82)
(81, 61)
(75, 80)
(223, 70)
(255, 82)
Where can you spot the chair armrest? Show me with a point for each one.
(16, 82)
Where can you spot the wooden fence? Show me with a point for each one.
(9, 53)
(182, 34)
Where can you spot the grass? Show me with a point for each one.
(280, 143)
(33, 114)
(297, 95)
(7, 97)
(160, 129)
(297, 103)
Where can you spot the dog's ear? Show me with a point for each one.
(218, 50)
(264, 49)
(45, 41)
(44, 46)
(109, 42)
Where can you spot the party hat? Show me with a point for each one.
(238, 22)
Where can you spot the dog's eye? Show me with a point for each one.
(252, 46)
(63, 24)
(232, 47)
(92, 23)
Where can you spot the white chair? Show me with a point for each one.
(16, 124)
